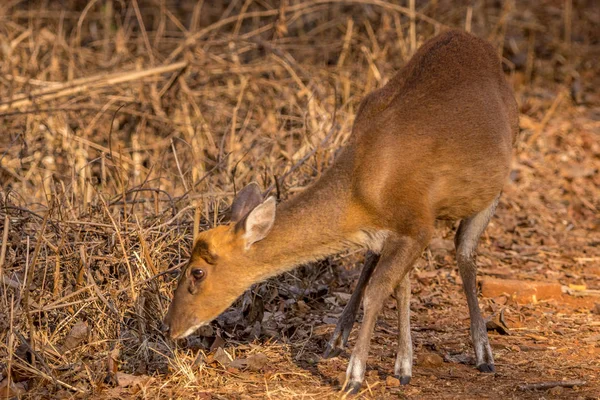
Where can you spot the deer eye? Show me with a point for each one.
(198, 274)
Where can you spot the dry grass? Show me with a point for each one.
(128, 126)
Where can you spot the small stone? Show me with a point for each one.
(391, 381)
(555, 391)
(430, 360)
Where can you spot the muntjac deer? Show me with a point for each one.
(434, 143)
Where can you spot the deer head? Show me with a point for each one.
(222, 264)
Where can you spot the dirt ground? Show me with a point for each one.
(127, 127)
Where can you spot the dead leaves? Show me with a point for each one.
(497, 323)
(128, 380)
(255, 362)
(77, 335)
(223, 358)
(13, 389)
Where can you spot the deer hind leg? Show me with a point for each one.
(466, 240)
(346, 321)
(404, 357)
(397, 258)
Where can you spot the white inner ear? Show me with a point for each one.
(259, 222)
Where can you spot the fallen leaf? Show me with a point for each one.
(14, 390)
(218, 342)
(255, 362)
(497, 324)
(342, 297)
(239, 363)
(222, 357)
(78, 334)
(331, 300)
(128, 380)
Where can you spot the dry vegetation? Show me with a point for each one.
(127, 126)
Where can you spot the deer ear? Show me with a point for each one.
(259, 222)
(246, 200)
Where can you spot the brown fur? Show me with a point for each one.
(435, 142)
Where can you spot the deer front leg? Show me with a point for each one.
(397, 258)
(338, 340)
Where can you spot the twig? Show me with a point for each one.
(546, 118)
(4, 244)
(29, 276)
(346, 45)
(550, 385)
(86, 84)
(26, 366)
(166, 271)
(310, 154)
(294, 9)
(121, 243)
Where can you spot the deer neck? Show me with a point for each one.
(316, 223)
